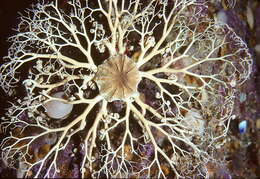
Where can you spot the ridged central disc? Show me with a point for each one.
(117, 78)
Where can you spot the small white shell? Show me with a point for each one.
(257, 48)
(242, 126)
(222, 17)
(57, 109)
(250, 17)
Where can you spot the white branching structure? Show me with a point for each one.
(152, 85)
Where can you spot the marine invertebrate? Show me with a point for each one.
(171, 69)
(117, 78)
(57, 109)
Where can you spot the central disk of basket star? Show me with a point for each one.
(117, 78)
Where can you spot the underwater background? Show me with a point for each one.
(241, 151)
